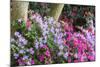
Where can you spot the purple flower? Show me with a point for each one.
(60, 53)
(21, 62)
(21, 51)
(25, 57)
(16, 55)
(17, 34)
(59, 41)
(61, 47)
(22, 41)
(65, 55)
(41, 45)
(32, 62)
(31, 50)
(57, 30)
(36, 45)
(52, 30)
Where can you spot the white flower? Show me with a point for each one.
(57, 30)
(60, 53)
(33, 16)
(20, 20)
(20, 45)
(50, 20)
(29, 28)
(61, 47)
(12, 40)
(65, 55)
(29, 63)
(27, 50)
(45, 37)
(58, 24)
(45, 33)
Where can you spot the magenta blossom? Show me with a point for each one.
(32, 62)
(41, 57)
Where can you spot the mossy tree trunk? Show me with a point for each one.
(56, 10)
(19, 9)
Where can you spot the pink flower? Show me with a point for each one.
(75, 61)
(47, 53)
(32, 62)
(79, 54)
(41, 57)
(28, 23)
(74, 13)
(44, 46)
(91, 58)
(69, 36)
(82, 58)
(21, 62)
(69, 60)
(76, 42)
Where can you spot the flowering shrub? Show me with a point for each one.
(42, 40)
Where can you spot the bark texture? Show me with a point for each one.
(56, 10)
(19, 9)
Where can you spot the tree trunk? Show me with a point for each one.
(19, 9)
(56, 10)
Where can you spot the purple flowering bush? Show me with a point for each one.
(42, 40)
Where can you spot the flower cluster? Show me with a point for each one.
(79, 48)
(42, 40)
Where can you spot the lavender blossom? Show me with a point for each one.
(36, 44)
(31, 50)
(61, 47)
(22, 41)
(25, 57)
(60, 53)
(65, 55)
(16, 55)
(21, 51)
(16, 34)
